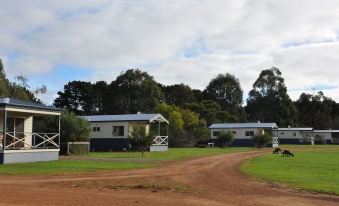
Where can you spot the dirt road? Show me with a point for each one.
(211, 181)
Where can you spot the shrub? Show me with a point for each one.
(261, 140)
(225, 138)
(140, 140)
(73, 128)
(319, 139)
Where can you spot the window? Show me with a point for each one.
(215, 134)
(282, 133)
(249, 133)
(294, 134)
(96, 129)
(118, 131)
(234, 132)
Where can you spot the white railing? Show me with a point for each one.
(160, 141)
(29, 140)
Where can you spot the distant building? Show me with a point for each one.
(242, 132)
(295, 135)
(110, 132)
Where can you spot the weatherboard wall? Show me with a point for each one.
(240, 133)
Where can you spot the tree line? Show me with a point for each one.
(191, 111)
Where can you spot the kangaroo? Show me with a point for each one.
(287, 153)
(277, 150)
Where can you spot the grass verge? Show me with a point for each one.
(97, 161)
(312, 168)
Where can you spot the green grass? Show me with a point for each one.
(97, 161)
(314, 168)
(66, 166)
(172, 153)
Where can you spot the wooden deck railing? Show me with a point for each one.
(160, 141)
(29, 140)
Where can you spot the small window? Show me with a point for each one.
(118, 131)
(294, 134)
(282, 133)
(215, 133)
(96, 129)
(249, 133)
(234, 132)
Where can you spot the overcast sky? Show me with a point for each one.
(176, 41)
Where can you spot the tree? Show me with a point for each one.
(261, 140)
(225, 138)
(3, 82)
(178, 94)
(175, 120)
(73, 128)
(133, 91)
(78, 97)
(317, 111)
(226, 91)
(140, 139)
(268, 101)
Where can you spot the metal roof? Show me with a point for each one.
(125, 118)
(296, 129)
(326, 131)
(4, 102)
(242, 125)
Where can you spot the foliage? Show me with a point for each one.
(78, 97)
(133, 91)
(314, 169)
(225, 138)
(140, 139)
(226, 90)
(261, 140)
(210, 111)
(178, 94)
(316, 110)
(268, 101)
(319, 139)
(73, 128)
(175, 120)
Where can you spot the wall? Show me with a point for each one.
(326, 135)
(240, 132)
(106, 129)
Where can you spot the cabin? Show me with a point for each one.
(329, 136)
(111, 132)
(296, 135)
(18, 140)
(242, 132)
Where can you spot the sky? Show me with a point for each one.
(176, 41)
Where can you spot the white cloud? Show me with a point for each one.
(240, 37)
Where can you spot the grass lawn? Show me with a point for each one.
(314, 168)
(96, 161)
(172, 153)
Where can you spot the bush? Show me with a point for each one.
(73, 128)
(140, 140)
(261, 140)
(225, 138)
(319, 139)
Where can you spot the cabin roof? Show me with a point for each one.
(125, 118)
(17, 103)
(243, 125)
(296, 129)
